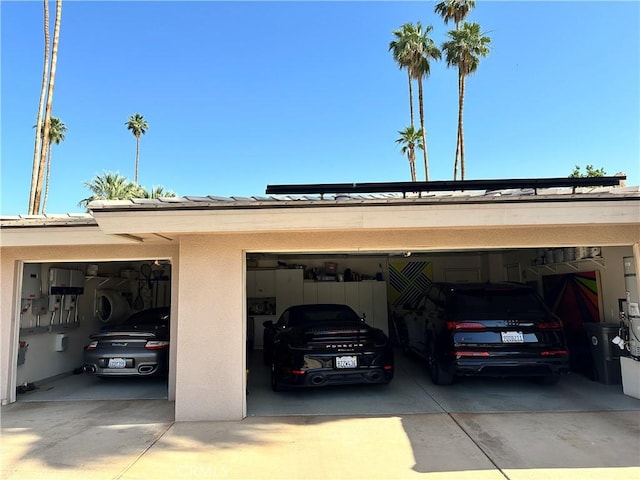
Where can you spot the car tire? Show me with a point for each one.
(276, 384)
(439, 374)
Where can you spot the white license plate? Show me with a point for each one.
(117, 363)
(512, 337)
(347, 362)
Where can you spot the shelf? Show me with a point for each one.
(572, 264)
(105, 280)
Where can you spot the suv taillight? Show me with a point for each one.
(465, 326)
(550, 326)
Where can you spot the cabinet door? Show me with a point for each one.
(265, 283)
(331, 292)
(365, 300)
(352, 296)
(380, 307)
(251, 283)
(310, 293)
(289, 289)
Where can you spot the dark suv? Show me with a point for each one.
(496, 329)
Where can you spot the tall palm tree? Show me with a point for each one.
(402, 49)
(49, 106)
(56, 135)
(464, 50)
(456, 10)
(414, 50)
(138, 126)
(111, 186)
(410, 139)
(39, 121)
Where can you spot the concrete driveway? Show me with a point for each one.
(476, 429)
(138, 439)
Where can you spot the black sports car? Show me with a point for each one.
(325, 344)
(137, 347)
(496, 329)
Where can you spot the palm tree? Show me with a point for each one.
(464, 50)
(39, 121)
(456, 10)
(49, 106)
(414, 50)
(157, 191)
(410, 138)
(56, 135)
(402, 50)
(111, 186)
(138, 126)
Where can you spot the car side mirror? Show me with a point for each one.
(267, 323)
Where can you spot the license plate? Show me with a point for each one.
(512, 337)
(117, 363)
(347, 362)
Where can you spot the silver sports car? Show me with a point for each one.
(137, 347)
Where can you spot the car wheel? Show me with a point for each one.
(439, 375)
(276, 385)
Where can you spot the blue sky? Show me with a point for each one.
(239, 95)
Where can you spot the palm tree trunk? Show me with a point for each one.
(47, 115)
(412, 163)
(410, 97)
(137, 157)
(46, 183)
(43, 91)
(461, 128)
(424, 134)
(455, 165)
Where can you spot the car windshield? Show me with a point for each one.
(495, 304)
(306, 316)
(148, 317)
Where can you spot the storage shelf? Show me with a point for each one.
(105, 280)
(572, 264)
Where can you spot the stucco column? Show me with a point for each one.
(211, 363)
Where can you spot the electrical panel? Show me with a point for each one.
(31, 281)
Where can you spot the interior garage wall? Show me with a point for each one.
(610, 268)
(42, 360)
(11, 262)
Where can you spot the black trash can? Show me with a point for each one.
(606, 354)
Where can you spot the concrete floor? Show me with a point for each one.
(411, 391)
(477, 429)
(86, 387)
